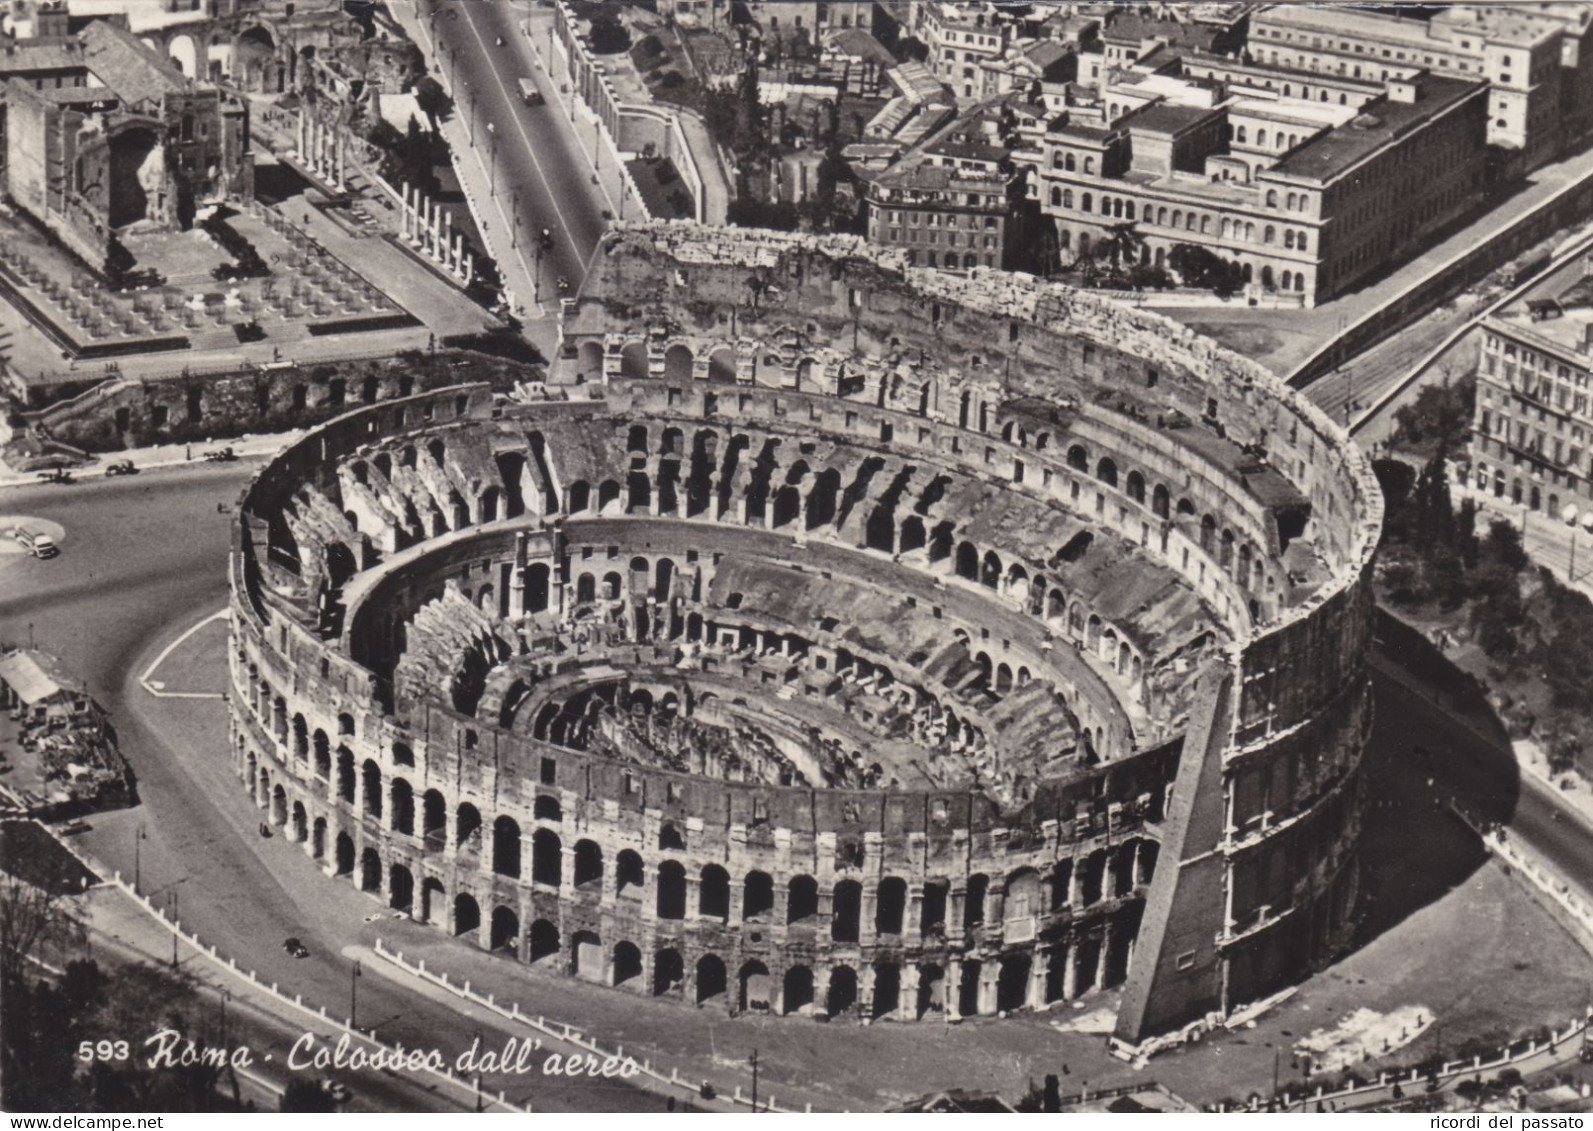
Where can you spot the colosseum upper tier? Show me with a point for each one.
(833, 637)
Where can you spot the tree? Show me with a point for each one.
(1440, 414)
(609, 37)
(1503, 545)
(1202, 268)
(432, 99)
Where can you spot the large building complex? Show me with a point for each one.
(1307, 196)
(1533, 57)
(855, 640)
(1532, 436)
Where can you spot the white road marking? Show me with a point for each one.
(155, 687)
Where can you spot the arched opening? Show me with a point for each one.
(588, 864)
(467, 915)
(846, 905)
(586, 956)
(467, 823)
(757, 896)
(505, 930)
(714, 893)
(547, 858)
(711, 978)
(842, 995)
(802, 899)
(669, 971)
(345, 854)
(627, 964)
(671, 890)
(544, 940)
(370, 870)
(506, 847)
(796, 990)
(400, 888)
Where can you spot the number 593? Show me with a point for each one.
(102, 1050)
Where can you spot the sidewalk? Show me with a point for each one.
(165, 455)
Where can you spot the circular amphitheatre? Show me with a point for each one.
(837, 638)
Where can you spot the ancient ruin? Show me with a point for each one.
(837, 638)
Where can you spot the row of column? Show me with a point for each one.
(429, 229)
(323, 149)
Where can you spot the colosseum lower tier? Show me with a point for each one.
(830, 638)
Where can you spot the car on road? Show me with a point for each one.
(221, 455)
(121, 467)
(35, 543)
(296, 948)
(56, 475)
(337, 1090)
(73, 828)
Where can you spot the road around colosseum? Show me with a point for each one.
(145, 564)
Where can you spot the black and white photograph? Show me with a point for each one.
(569, 557)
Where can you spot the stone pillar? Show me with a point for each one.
(693, 895)
(610, 884)
(907, 999)
(865, 989)
(951, 989)
(1070, 973)
(649, 899)
(821, 991)
(1038, 965)
(989, 987)
(738, 901)
(517, 578)
(1106, 951)
(1076, 884)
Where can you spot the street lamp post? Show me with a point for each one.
(492, 169)
(174, 928)
(353, 994)
(514, 209)
(138, 844)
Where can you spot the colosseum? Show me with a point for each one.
(832, 638)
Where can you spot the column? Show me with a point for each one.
(649, 904)
(517, 578)
(989, 987)
(907, 1001)
(1070, 973)
(1106, 950)
(1038, 965)
(821, 991)
(951, 987)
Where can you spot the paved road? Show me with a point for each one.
(530, 147)
(142, 560)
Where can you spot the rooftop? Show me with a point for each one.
(1496, 22)
(1378, 124)
(1558, 315)
(1164, 119)
(34, 677)
(131, 70)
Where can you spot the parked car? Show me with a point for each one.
(221, 455)
(73, 828)
(38, 544)
(121, 467)
(296, 948)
